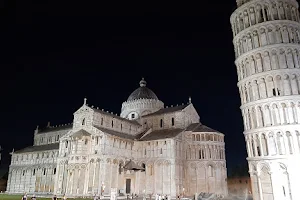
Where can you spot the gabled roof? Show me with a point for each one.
(198, 127)
(162, 134)
(56, 128)
(117, 117)
(117, 133)
(168, 110)
(47, 147)
(130, 165)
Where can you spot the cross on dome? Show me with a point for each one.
(143, 83)
(84, 101)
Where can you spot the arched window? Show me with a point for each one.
(144, 166)
(161, 123)
(173, 121)
(112, 123)
(83, 122)
(54, 171)
(33, 173)
(210, 171)
(44, 172)
(66, 144)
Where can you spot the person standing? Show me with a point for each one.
(24, 197)
(64, 197)
(54, 197)
(33, 197)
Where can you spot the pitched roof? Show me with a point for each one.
(162, 134)
(168, 110)
(56, 128)
(117, 133)
(198, 127)
(47, 147)
(117, 117)
(133, 166)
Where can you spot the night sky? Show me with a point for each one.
(56, 53)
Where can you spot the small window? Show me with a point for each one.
(173, 122)
(145, 152)
(54, 171)
(165, 142)
(97, 140)
(160, 150)
(44, 171)
(83, 122)
(86, 141)
(274, 92)
(144, 166)
(23, 172)
(33, 173)
(240, 181)
(121, 126)
(161, 123)
(102, 121)
(112, 123)
(66, 144)
(132, 116)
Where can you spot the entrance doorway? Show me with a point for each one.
(128, 184)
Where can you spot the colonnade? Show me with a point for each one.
(195, 152)
(262, 11)
(38, 179)
(273, 143)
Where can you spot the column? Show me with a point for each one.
(260, 192)
(87, 178)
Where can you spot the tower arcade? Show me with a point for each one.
(266, 42)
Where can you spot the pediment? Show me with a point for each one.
(78, 133)
(83, 109)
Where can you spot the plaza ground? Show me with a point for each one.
(18, 197)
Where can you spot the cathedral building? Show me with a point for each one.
(149, 149)
(267, 48)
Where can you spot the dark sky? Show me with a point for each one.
(56, 53)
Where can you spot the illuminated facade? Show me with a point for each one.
(266, 41)
(177, 154)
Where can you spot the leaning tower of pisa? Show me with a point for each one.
(267, 49)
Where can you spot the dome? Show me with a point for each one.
(142, 92)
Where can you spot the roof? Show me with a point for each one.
(142, 92)
(162, 134)
(154, 135)
(56, 128)
(198, 127)
(117, 133)
(168, 110)
(134, 122)
(47, 147)
(133, 166)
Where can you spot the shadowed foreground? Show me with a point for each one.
(18, 197)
